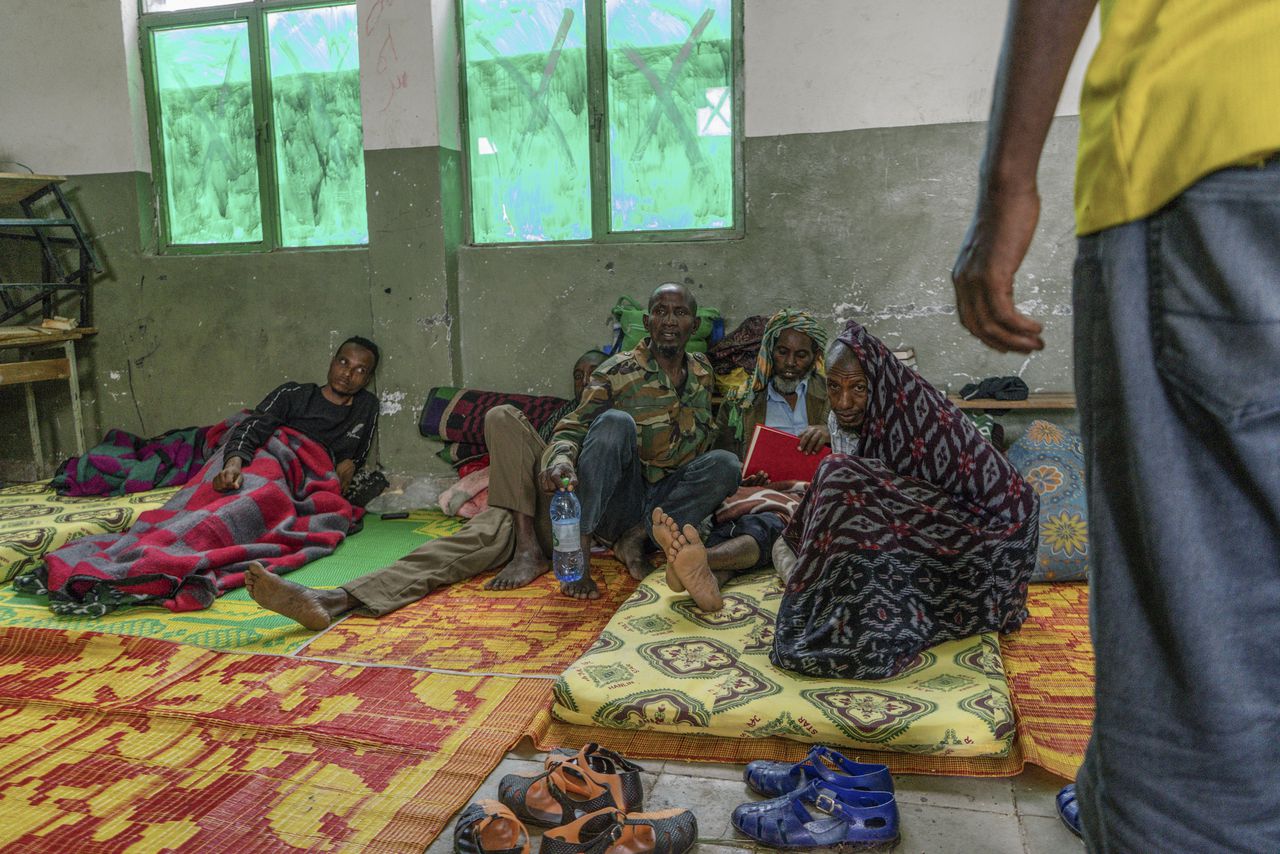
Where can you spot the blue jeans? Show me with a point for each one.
(1177, 355)
(613, 491)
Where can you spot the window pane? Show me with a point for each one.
(526, 80)
(206, 121)
(670, 89)
(181, 5)
(315, 96)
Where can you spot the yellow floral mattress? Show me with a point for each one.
(661, 664)
(35, 520)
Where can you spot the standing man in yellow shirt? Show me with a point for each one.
(1177, 360)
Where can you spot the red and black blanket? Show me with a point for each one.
(290, 511)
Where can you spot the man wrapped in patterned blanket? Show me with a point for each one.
(270, 494)
(914, 532)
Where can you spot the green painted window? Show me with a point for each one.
(256, 126)
(602, 119)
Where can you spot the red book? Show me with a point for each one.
(777, 453)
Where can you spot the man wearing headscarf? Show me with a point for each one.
(785, 390)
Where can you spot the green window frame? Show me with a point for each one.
(255, 126)
(620, 120)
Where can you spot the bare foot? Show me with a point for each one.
(630, 550)
(691, 567)
(314, 609)
(524, 567)
(583, 588)
(665, 531)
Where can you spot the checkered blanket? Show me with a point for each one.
(455, 416)
(182, 555)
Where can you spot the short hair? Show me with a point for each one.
(361, 341)
(689, 299)
(593, 356)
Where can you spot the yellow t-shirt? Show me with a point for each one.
(1177, 89)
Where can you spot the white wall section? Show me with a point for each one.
(814, 66)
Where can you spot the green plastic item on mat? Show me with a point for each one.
(630, 316)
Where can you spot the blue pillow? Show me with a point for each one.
(1051, 459)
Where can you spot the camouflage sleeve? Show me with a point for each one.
(566, 439)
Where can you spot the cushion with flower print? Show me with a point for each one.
(1051, 460)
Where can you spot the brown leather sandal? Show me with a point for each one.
(487, 827)
(611, 831)
(590, 780)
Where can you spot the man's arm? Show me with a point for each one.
(245, 438)
(561, 454)
(1040, 41)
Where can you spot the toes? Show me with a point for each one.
(690, 534)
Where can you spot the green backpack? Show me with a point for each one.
(630, 317)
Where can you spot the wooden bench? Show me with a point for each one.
(26, 339)
(1035, 400)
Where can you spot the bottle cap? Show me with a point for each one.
(564, 482)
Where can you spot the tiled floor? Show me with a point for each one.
(939, 815)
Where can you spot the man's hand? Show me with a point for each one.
(551, 478)
(814, 438)
(346, 470)
(993, 250)
(760, 478)
(229, 479)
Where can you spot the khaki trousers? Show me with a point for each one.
(488, 540)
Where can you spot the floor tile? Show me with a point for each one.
(1034, 790)
(931, 829)
(708, 770)
(990, 794)
(712, 801)
(1049, 836)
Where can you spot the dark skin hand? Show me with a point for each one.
(1040, 42)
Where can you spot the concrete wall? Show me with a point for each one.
(864, 127)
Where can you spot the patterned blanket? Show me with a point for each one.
(123, 463)
(455, 416)
(183, 555)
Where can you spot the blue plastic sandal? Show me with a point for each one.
(821, 815)
(1069, 809)
(772, 779)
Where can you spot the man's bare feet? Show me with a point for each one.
(630, 550)
(524, 567)
(691, 568)
(314, 609)
(665, 531)
(583, 588)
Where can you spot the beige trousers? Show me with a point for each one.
(488, 540)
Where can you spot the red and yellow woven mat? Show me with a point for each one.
(1049, 664)
(530, 631)
(112, 743)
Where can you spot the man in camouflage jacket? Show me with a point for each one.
(641, 438)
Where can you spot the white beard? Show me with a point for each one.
(785, 386)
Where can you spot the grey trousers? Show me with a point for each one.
(615, 495)
(1177, 356)
(488, 540)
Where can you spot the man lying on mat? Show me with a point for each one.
(641, 438)
(271, 493)
(787, 390)
(340, 415)
(515, 530)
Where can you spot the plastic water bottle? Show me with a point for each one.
(567, 559)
